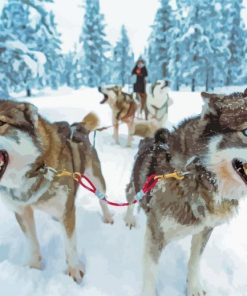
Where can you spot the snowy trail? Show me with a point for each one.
(112, 254)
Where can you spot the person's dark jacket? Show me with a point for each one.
(140, 84)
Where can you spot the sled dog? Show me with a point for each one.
(211, 152)
(31, 149)
(124, 108)
(158, 102)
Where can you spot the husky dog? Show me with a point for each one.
(211, 151)
(159, 100)
(123, 108)
(30, 148)
(158, 103)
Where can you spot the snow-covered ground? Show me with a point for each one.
(112, 254)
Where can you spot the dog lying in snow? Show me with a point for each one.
(212, 150)
(29, 146)
(124, 108)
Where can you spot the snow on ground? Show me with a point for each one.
(112, 254)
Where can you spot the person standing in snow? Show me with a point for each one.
(140, 71)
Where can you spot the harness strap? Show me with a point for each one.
(131, 111)
(150, 183)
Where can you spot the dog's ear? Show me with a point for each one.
(212, 103)
(167, 83)
(30, 113)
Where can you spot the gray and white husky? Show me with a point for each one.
(211, 149)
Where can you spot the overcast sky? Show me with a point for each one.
(136, 15)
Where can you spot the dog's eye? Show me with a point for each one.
(2, 123)
(245, 132)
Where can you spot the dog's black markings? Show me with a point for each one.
(153, 87)
(164, 108)
(158, 83)
(159, 147)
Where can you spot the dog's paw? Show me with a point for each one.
(130, 221)
(76, 272)
(108, 219)
(195, 290)
(35, 262)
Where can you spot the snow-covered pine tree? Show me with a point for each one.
(72, 75)
(203, 45)
(175, 52)
(235, 30)
(50, 45)
(23, 62)
(94, 45)
(160, 41)
(20, 63)
(122, 60)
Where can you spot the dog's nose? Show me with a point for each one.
(99, 88)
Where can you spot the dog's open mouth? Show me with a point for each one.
(104, 99)
(105, 95)
(4, 160)
(241, 168)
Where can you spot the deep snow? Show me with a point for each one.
(112, 253)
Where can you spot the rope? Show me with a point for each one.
(149, 184)
(100, 129)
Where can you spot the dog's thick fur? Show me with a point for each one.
(158, 102)
(124, 108)
(212, 149)
(34, 145)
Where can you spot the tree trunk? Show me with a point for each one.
(164, 67)
(207, 81)
(177, 84)
(28, 92)
(228, 78)
(193, 85)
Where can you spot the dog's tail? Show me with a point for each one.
(91, 121)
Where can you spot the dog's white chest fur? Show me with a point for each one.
(55, 206)
(174, 230)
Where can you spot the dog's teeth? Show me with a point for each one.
(245, 168)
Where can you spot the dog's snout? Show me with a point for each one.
(99, 88)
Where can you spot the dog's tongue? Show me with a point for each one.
(1, 157)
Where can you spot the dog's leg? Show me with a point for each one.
(95, 174)
(143, 97)
(75, 269)
(145, 106)
(198, 244)
(153, 245)
(130, 132)
(115, 130)
(25, 218)
(129, 218)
